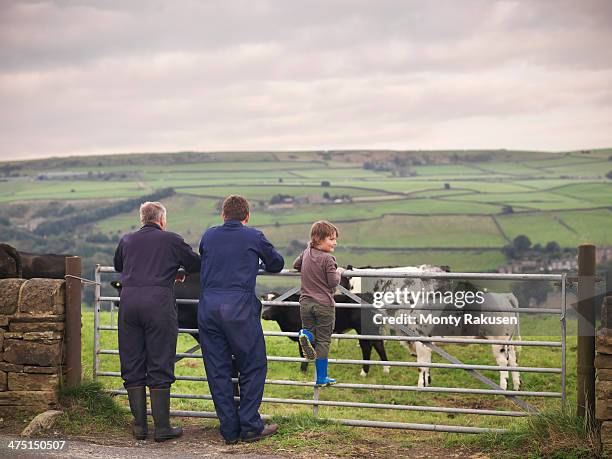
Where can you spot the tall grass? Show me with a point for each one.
(89, 408)
(552, 434)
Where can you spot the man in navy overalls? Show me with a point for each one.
(229, 319)
(148, 261)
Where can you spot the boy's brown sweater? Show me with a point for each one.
(319, 275)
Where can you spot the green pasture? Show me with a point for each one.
(584, 168)
(68, 190)
(595, 193)
(395, 185)
(534, 200)
(518, 169)
(488, 186)
(214, 177)
(567, 228)
(400, 231)
(544, 184)
(447, 170)
(349, 349)
(267, 191)
(339, 173)
(566, 159)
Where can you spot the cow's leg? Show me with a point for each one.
(500, 353)
(423, 356)
(303, 365)
(366, 352)
(513, 362)
(379, 346)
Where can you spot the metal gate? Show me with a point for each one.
(455, 364)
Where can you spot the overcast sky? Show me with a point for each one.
(101, 77)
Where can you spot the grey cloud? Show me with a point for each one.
(86, 77)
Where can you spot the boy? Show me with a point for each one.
(320, 276)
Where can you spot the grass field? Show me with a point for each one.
(436, 207)
(281, 346)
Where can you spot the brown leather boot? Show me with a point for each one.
(268, 431)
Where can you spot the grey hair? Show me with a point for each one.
(151, 212)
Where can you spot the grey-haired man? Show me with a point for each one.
(148, 260)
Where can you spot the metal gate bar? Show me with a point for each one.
(458, 390)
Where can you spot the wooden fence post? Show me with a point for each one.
(73, 322)
(586, 331)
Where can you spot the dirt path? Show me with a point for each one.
(192, 445)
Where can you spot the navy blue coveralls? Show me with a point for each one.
(148, 260)
(229, 319)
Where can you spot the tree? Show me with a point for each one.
(521, 243)
(447, 186)
(507, 210)
(325, 183)
(553, 247)
(609, 175)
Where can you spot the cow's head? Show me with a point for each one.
(271, 312)
(117, 286)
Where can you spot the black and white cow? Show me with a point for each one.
(505, 354)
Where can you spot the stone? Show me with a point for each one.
(3, 381)
(47, 337)
(43, 421)
(12, 402)
(604, 374)
(603, 389)
(606, 313)
(606, 436)
(13, 335)
(603, 341)
(5, 366)
(1, 339)
(4, 321)
(603, 410)
(9, 295)
(32, 353)
(42, 296)
(26, 327)
(41, 370)
(13, 398)
(31, 381)
(601, 361)
(27, 318)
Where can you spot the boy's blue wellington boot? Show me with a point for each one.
(322, 379)
(306, 339)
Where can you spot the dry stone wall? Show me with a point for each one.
(32, 322)
(603, 383)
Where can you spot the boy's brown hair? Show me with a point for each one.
(235, 207)
(322, 229)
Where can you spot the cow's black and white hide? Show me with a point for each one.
(288, 319)
(504, 354)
